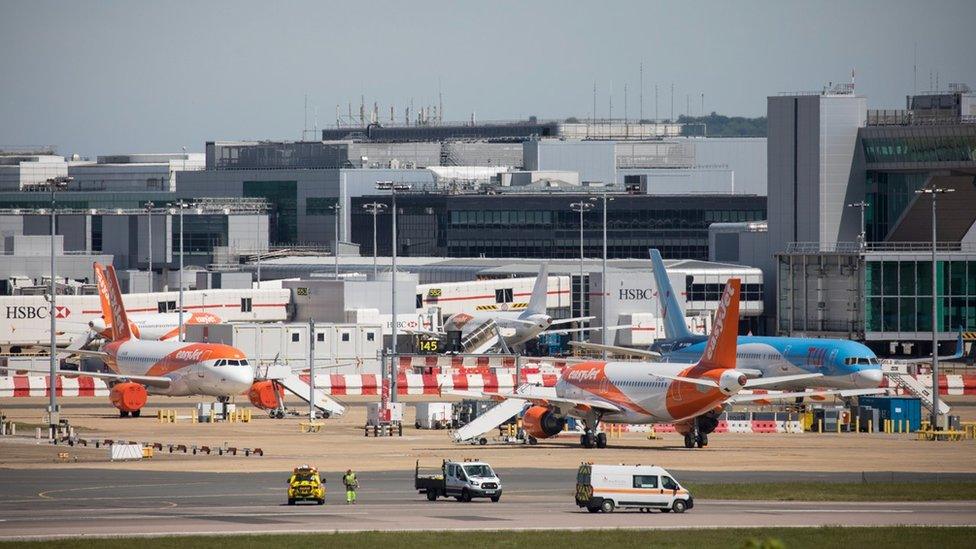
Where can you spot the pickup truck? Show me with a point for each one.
(463, 480)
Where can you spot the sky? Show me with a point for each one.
(105, 77)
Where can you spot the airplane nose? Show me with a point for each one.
(238, 379)
(868, 379)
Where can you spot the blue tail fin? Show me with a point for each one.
(674, 317)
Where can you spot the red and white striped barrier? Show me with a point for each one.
(407, 384)
(331, 384)
(951, 384)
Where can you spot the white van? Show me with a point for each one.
(644, 487)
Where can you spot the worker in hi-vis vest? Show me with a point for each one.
(351, 484)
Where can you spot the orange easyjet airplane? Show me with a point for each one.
(171, 368)
(637, 392)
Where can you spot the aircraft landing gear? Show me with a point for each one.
(589, 439)
(695, 437)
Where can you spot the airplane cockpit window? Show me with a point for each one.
(221, 363)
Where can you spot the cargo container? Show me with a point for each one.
(896, 408)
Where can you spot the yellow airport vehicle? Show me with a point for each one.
(305, 484)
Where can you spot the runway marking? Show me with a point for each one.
(45, 493)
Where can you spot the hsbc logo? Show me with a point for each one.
(26, 312)
(635, 294)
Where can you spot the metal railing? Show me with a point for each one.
(856, 248)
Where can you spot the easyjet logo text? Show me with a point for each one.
(719, 325)
(583, 375)
(189, 356)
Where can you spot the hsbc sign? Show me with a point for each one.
(635, 294)
(22, 312)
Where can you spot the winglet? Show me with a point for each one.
(721, 347)
(538, 301)
(674, 317)
(112, 305)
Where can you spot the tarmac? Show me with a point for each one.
(107, 502)
(342, 443)
(45, 496)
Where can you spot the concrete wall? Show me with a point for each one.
(594, 160)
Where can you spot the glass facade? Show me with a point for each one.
(888, 194)
(899, 295)
(201, 233)
(283, 217)
(921, 148)
(544, 225)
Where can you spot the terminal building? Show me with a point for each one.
(835, 275)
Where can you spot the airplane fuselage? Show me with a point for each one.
(194, 368)
(843, 364)
(515, 327)
(642, 396)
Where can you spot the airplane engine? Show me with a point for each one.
(262, 394)
(540, 422)
(128, 397)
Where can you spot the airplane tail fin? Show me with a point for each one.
(720, 350)
(111, 299)
(539, 299)
(674, 317)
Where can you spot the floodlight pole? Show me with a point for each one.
(54, 412)
(934, 192)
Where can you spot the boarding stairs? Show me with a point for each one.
(916, 388)
(295, 385)
(481, 339)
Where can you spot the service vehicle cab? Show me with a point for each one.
(463, 480)
(644, 487)
(305, 484)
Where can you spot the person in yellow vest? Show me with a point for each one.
(351, 484)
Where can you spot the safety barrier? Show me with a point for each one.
(407, 383)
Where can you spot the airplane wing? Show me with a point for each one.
(79, 352)
(759, 382)
(591, 329)
(574, 319)
(741, 398)
(750, 383)
(615, 349)
(152, 381)
(960, 352)
(544, 399)
(421, 331)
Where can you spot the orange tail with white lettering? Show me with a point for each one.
(720, 351)
(112, 306)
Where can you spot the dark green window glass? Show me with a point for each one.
(283, 199)
(907, 314)
(924, 314)
(889, 277)
(906, 278)
(924, 277)
(889, 313)
(873, 278)
(957, 278)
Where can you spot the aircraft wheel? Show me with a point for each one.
(601, 440)
(136, 413)
(689, 441)
(123, 413)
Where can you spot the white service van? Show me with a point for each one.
(644, 487)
